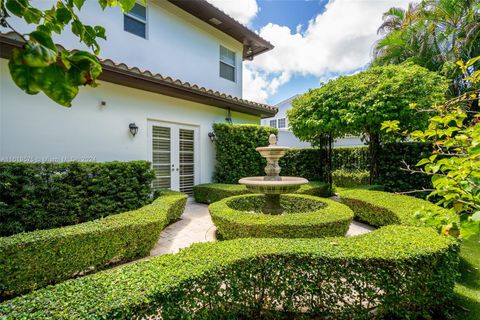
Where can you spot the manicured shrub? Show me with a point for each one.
(350, 178)
(48, 195)
(396, 272)
(303, 163)
(212, 192)
(394, 158)
(304, 217)
(235, 151)
(34, 259)
(351, 158)
(381, 208)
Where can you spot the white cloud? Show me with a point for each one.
(258, 86)
(337, 41)
(242, 10)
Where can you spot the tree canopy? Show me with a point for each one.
(358, 104)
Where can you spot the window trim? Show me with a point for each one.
(139, 20)
(234, 66)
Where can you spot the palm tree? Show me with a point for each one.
(434, 34)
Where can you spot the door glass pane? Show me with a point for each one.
(161, 147)
(187, 155)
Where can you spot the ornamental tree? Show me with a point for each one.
(360, 103)
(40, 66)
(454, 165)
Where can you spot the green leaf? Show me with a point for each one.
(23, 75)
(63, 15)
(56, 85)
(79, 3)
(44, 39)
(33, 15)
(126, 5)
(17, 7)
(476, 216)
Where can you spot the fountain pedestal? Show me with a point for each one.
(272, 185)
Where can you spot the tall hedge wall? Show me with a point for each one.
(47, 195)
(235, 151)
(237, 158)
(392, 175)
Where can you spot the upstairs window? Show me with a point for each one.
(281, 123)
(273, 123)
(227, 64)
(135, 21)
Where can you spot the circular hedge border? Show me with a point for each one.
(305, 217)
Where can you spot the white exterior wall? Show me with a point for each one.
(177, 45)
(33, 128)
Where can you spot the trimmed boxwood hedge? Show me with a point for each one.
(379, 208)
(396, 272)
(48, 195)
(212, 192)
(38, 258)
(304, 217)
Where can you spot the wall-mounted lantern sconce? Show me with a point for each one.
(212, 136)
(229, 117)
(103, 103)
(133, 128)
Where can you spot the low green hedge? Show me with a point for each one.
(382, 208)
(212, 192)
(38, 258)
(37, 196)
(350, 178)
(304, 217)
(396, 272)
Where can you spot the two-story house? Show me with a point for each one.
(288, 139)
(171, 69)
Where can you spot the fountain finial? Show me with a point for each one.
(272, 140)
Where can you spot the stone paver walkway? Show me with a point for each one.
(195, 225)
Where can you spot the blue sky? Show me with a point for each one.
(315, 40)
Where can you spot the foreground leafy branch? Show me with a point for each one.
(40, 66)
(454, 165)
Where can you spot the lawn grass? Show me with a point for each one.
(467, 290)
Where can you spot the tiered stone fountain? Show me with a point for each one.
(272, 185)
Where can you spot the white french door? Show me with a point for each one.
(174, 155)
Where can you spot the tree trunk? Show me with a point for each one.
(326, 155)
(374, 152)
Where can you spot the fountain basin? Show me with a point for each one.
(281, 186)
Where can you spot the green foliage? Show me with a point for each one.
(358, 104)
(381, 208)
(304, 163)
(35, 259)
(454, 163)
(434, 34)
(235, 151)
(394, 158)
(304, 217)
(47, 195)
(401, 272)
(351, 158)
(213, 192)
(39, 66)
(350, 178)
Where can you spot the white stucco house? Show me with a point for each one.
(171, 68)
(288, 139)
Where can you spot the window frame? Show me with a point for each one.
(138, 19)
(228, 64)
(275, 123)
(284, 123)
